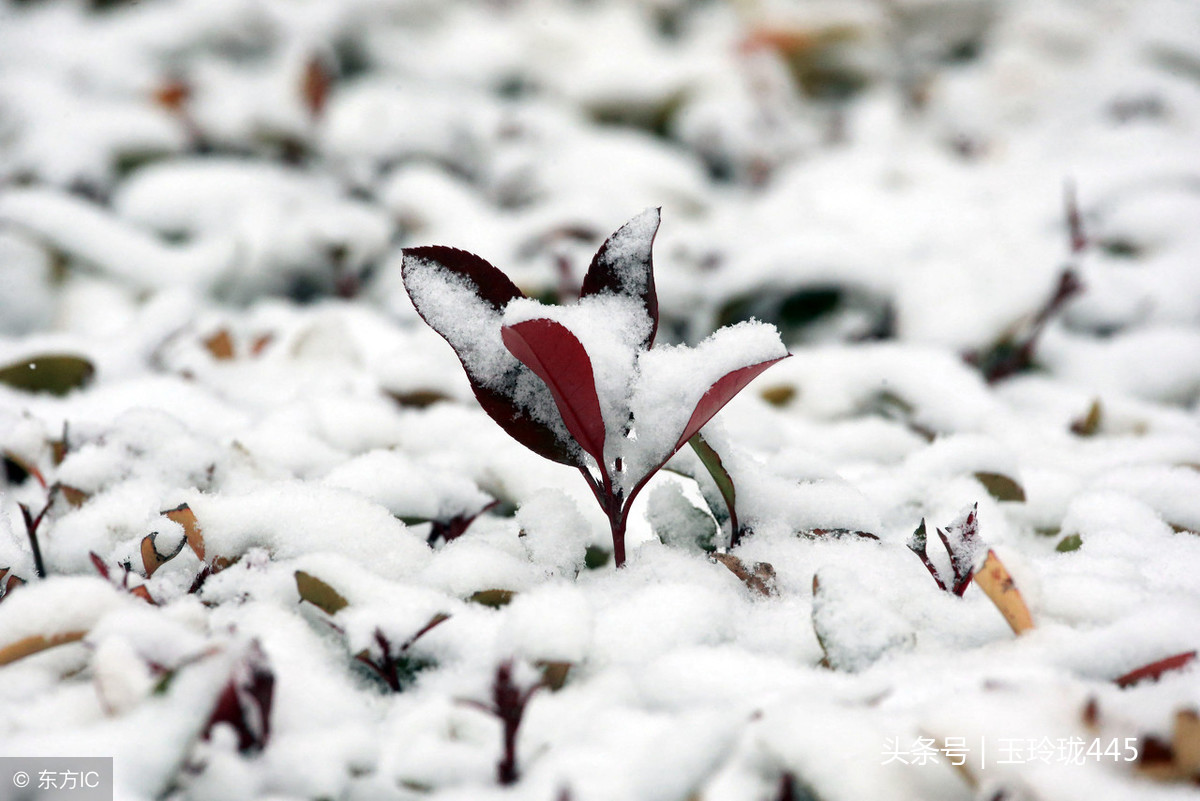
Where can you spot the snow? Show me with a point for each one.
(881, 186)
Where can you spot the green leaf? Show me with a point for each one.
(596, 557)
(712, 462)
(56, 374)
(1069, 543)
(493, 598)
(319, 594)
(1001, 487)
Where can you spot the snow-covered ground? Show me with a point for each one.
(203, 206)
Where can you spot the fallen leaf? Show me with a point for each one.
(779, 395)
(319, 594)
(220, 345)
(493, 598)
(56, 374)
(419, 398)
(1001, 487)
(760, 578)
(151, 558)
(554, 674)
(993, 578)
(184, 516)
(1069, 543)
(36, 643)
(74, 497)
(172, 94)
(1178, 760)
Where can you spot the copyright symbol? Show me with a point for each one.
(21, 779)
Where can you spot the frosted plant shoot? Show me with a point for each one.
(584, 385)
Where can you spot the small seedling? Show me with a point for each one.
(508, 703)
(962, 542)
(583, 385)
(1014, 351)
(396, 667)
(32, 523)
(451, 529)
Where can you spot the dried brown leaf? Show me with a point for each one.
(760, 578)
(35, 644)
(1178, 760)
(151, 558)
(554, 674)
(220, 345)
(184, 516)
(993, 578)
(74, 497)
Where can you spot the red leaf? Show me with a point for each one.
(489, 283)
(624, 265)
(720, 394)
(539, 438)
(558, 358)
(1154, 670)
(245, 702)
(315, 85)
(494, 288)
(964, 549)
(98, 563)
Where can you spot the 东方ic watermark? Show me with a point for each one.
(56, 778)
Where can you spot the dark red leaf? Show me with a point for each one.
(488, 282)
(1154, 670)
(720, 394)
(245, 702)
(559, 359)
(494, 288)
(315, 85)
(455, 527)
(98, 563)
(624, 265)
(539, 438)
(961, 540)
(918, 543)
